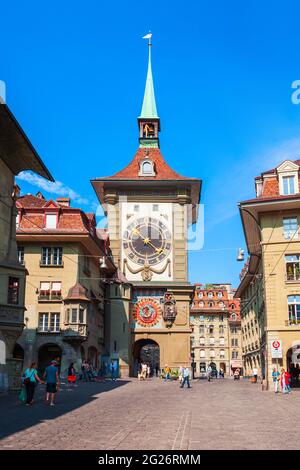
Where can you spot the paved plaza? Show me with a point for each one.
(221, 414)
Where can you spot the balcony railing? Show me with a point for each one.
(44, 264)
(42, 329)
(75, 331)
(295, 276)
(292, 323)
(50, 295)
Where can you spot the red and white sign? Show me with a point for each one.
(276, 349)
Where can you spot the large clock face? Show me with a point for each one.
(147, 240)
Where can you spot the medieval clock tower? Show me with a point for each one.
(148, 206)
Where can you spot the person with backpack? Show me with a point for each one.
(30, 379)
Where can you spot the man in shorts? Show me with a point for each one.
(52, 381)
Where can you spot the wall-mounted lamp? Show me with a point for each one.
(103, 264)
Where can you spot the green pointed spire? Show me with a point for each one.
(149, 110)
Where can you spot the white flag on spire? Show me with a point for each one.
(148, 36)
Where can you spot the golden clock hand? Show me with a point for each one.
(159, 250)
(146, 240)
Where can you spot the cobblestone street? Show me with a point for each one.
(154, 415)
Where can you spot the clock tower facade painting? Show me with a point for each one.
(149, 208)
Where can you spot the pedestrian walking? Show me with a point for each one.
(156, 370)
(255, 374)
(52, 382)
(186, 378)
(144, 371)
(180, 374)
(148, 371)
(276, 379)
(30, 379)
(167, 371)
(113, 370)
(209, 371)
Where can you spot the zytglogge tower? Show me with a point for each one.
(148, 206)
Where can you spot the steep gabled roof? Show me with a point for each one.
(162, 170)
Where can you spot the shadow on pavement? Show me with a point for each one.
(15, 416)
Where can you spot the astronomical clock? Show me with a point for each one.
(147, 241)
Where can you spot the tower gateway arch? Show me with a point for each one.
(147, 205)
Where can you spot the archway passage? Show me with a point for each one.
(18, 352)
(93, 356)
(293, 364)
(47, 353)
(147, 351)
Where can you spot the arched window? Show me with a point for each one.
(146, 168)
(233, 316)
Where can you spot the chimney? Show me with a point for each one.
(64, 201)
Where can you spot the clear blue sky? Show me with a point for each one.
(75, 75)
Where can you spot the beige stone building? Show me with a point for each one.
(271, 227)
(251, 293)
(149, 208)
(63, 254)
(216, 329)
(16, 154)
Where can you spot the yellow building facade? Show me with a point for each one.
(16, 154)
(271, 225)
(65, 291)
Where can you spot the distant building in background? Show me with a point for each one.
(65, 289)
(16, 154)
(216, 329)
(270, 284)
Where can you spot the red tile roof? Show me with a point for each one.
(162, 170)
(70, 220)
(30, 201)
(270, 187)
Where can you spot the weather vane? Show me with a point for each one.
(148, 36)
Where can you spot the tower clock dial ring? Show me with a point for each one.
(147, 240)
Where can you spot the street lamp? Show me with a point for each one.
(193, 364)
(241, 255)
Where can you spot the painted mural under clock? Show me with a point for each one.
(148, 207)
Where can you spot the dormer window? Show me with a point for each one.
(288, 185)
(288, 178)
(146, 168)
(51, 220)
